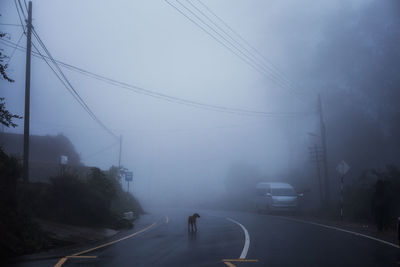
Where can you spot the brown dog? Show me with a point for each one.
(192, 222)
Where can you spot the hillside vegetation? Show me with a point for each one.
(94, 200)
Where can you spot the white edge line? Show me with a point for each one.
(343, 230)
(246, 239)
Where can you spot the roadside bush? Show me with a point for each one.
(123, 201)
(18, 233)
(358, 198)
(95, 200)
(9, 173)
(375, 197)
(81, 201)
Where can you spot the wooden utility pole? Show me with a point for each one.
(25, 170)
(120, 151)
(316, 157)
(324, 152)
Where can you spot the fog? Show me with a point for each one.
(345, 51)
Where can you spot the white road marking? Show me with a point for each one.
(343, 230)
(79, 254)
(246, 239)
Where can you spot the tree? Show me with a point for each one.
(3, 67)
(6, 117)
(362, 101)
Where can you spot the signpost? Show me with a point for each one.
(128, 178)
(63, 164)
(63, 160)
(342, 169)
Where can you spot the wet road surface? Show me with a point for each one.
(228, 239)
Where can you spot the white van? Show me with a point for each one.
(276, 197)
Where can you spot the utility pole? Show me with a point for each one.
(316, 157)
(120, 151)
(324, 151)
(25, 170)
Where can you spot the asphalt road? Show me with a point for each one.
(163, 240)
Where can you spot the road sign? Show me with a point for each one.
(63, 160)
(343, 168)
(129, 176)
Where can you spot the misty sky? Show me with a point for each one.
(149, 44)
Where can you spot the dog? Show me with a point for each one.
(192, 222)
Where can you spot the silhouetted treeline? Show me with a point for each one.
(356, 66)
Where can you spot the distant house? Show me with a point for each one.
(45, 153)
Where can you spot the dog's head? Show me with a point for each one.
(196, 215)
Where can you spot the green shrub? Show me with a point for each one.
(19, 234)
(95, 200)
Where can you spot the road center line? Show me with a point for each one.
(229, 264)
(246, 239)
(115, 241)
(61, 262)
(343, 230)
(81, 257)
(76, 255)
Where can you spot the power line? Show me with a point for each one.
(26, 6)
(215, 38)
(69, 86)
(173, 99)
(15, 48)
(100, 151)
(169, 98)
(19, 16)
(164, 96)
(22, 10)
(265, 71)
(268, 70)
(254, 64)
(220, 35)
(56, 73)
(10, 24)
(245, 41)
(77, 97)
(60, 75)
